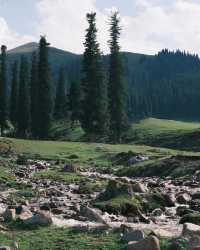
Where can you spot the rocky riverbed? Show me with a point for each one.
(159, 203)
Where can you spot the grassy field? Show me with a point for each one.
(157, 139)
(65, 239)
(68, 239)
(166, 133)
(84, 153)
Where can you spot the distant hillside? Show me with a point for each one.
(166, 85)
(57, 58)
(25, 48)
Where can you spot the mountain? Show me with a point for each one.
(166, 85)
(25, 48)
(57, 58)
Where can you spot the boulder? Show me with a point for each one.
(157, 212)
(189, 230)
(25, 214)
(194, 243)
(71, 168)
(92, 214)
(39, 219)
(183, 198)
(135, 235)
(160, 233)
(196, 196)
(195, 204)
(142, 217)
(115, 188)
(170, 199)
(139, 188)
(58, 210)
(9, 214)
(150, 243)
(5, 248)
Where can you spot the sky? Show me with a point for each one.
(147, 25)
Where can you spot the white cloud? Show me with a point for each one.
(11, 38)
(156, 26)
(64, 23)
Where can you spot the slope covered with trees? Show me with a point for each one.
(166, 85)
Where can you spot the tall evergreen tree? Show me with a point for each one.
(3, 90)
(117, 88)
(34, 95)
(23, 116)
(14, 94)
(94, 89)
(74, 101)
(61, 98)
(44, 91)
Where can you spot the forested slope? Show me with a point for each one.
(166, 85)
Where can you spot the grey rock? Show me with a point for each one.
(136, 235)
(140, 188)
(40, 219)
(150, 243)
(9, 214)
(170, 199)
(92, 214)
(190, 230)
(157, 212)
(183, 198)
(194, 243)
(5, 248)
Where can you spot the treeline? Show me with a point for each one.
(98, 101)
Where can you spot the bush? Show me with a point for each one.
(191, 218)
(173, 244)
(121, 204)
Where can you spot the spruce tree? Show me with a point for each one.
(74, 101)
(3, 90)
(34, 95)
(117, 88)
(94, 89)
(14, 94)
(61, 98)
(23, 114)
(44, 91)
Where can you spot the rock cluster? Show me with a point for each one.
(155, 204)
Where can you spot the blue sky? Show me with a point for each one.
(21, 15)
(148, 25)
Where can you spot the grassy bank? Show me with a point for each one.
(166, 133)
